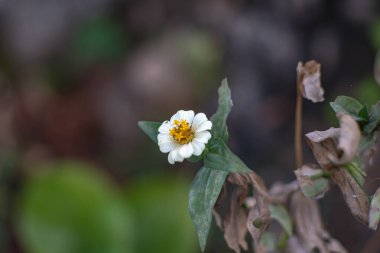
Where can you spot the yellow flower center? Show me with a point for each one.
(182, 132)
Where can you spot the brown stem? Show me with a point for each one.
(298, 121)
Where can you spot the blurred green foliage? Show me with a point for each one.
(161, 217)
(68, 208)
(202, 58)
(99, 40)
(9, 167)
(367, 92)
(374, 33)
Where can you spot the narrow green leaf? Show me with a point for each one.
(374, 211)
(220, 157)
(203, 194)
(349, 106)
(278, 212)
(219, 119)
(356, 172)
(150, 128)
(374, 119)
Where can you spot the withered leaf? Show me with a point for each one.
(217, 217)
(309, 75)
(354, 196)
(324, 145)
(336, 146)
(234, 225)
(258, 215)
(294, 246)
(374, 211)
(311, 181)
(280, 192)
(309, 228)
(349, 138)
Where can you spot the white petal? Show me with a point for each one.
(207, 125)
(166, 147)
(198, 120)
(198, 147)
(170, 158)
(174, 117)
(202, 137)
(186, 150)
(175, 154)
(163, 138)
(165, 127)
(186, 115)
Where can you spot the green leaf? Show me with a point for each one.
(364, 113)
(203, 194)
(220, 157)
(219, 119)
(71, 208)
(194, 158)
(366, 142)
(374, 211)
(278, 212)
(319, 186)
(349, 106)
(374, 119)
(356, 172)
(150, 128)
(312, 181)
(269, 241)
(159, 204)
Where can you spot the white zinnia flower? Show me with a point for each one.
(184, 135)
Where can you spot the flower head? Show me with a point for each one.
(184, 135)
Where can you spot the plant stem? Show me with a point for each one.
(298, 120)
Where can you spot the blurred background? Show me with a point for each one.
(77, 175)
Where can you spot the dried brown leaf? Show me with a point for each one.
(309, 74)
(332, 149)
(234, 225)
(354, 196)
(215, 211)
(256, 225)
(280, 192)
(349, 139)
(294, 246)
(258, 215)
(324, 145)
(309, 228)
(374, 212)
(336, 146)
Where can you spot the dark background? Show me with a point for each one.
(77, 175)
